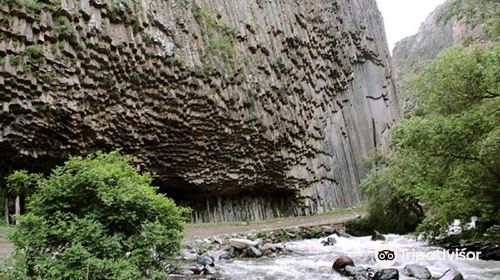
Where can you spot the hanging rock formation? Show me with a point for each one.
(244, 109)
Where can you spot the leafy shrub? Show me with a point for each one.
(96, 218)
(359, 227)
(390, 211)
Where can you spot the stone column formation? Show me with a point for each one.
(244, 109)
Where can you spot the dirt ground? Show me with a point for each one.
(5, 249)
(208, 230)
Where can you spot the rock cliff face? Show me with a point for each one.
(244, 109)
(452, 23)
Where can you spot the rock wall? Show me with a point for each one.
(454, 22)
(244, 109)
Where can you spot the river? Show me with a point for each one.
(309, 259)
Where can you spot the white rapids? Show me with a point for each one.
(309, 259)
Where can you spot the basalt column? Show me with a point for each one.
(244, 109)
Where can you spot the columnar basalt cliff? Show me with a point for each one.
(244, 109)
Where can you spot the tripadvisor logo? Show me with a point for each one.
(386, 255)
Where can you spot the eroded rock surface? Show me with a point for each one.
(243, 109)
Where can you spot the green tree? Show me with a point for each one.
(447, 152)
(97, 218)
(21, 185)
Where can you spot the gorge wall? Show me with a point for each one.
(454, 22)
(244, 109)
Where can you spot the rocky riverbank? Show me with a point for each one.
(258, 255)
(346, 267)
(200, 256)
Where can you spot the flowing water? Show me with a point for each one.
(309, 259)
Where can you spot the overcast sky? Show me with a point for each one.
(403, 17)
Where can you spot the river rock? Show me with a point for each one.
(242, 243)
(197, 269)
(187, 255)
(209, 270)
(417, 271)
(272, 255)
(330, 241)
(328, 230)
(377, 236)
(259, 241)
(216, 240)
(187, 267)
(185, 272)
(253, 252)
(268, 247)
(344, 234)
(206, 260)
(218, 255)
(353, 271)
(342, 262)
(386, 274)
(452, 275)
(231, 251)
(280, 246)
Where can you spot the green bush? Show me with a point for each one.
(359, 227)
(97, 218)
(390, 211)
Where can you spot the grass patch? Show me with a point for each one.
(220, 38)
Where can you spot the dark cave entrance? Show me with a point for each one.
(219, 205)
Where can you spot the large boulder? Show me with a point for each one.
(342, 262)
(242, 243)
(417, 271)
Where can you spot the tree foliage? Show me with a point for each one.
(96, 218)
(22, 183)
(447, 152)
